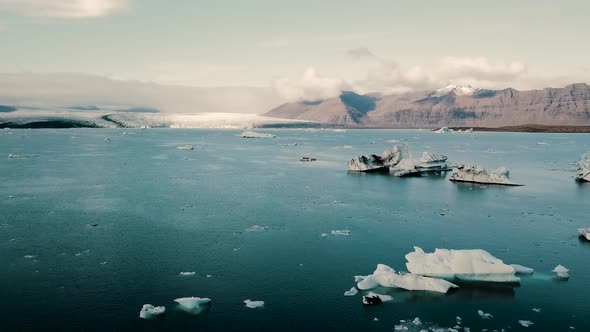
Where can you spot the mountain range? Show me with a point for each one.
(454, 105)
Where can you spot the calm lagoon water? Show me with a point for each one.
(112, 223)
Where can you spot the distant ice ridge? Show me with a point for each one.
(385, 276)
(585, 233)
(148, 311)
(474, 265)
(478, 174)
(254, 304)
(253, 134)
(583, 173)
(456, 89)
(372, 163)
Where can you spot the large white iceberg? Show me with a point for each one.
(371, 163)
(478, 174)
(583, 173)
(474, 264)
(385, 276)
(428, 163)
(148, 311)
(585, 233)
(253, 134)
(193, 305)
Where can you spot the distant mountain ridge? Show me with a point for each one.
(453, 105)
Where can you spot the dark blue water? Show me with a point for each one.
(148, 211)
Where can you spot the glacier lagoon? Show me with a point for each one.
(98, 222)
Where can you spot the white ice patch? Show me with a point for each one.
(525, 323)
(484, 315)
(187, 274)
(385, 276)
(475, 265)
(191, 303)
(561, 271)
(478, 174)
(585, 233)
(22, 156)
(257, 228)
(522, 269)
(254, 304)
(253, 134)
(185, 147)
(352, 292)
(148, 311)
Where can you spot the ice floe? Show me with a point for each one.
(352, 292)
(583, 173)
(484, 315)
(253, 134)
(371, 163)
(148, 311)
(257, 228)
(561, 271)
(193, 305)
(187, 274)
(254, 304)
(525, 323)
(478, 174)
(185, 147)
(584, 233)
(385, 276)
(324, 235)
(341, 232)
(374, 298)
(428, 163)
(473, 264)
(22, 156)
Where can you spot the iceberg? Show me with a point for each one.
(190, 304)
(472, 265)
(352, 292)
(477, 174)
(253, 134)
(428, 163)
(385, 276)
(525, 323)
(444, 130)
(372, 163)
(185, 147)
(22, 156)
(583, 173)
(373, 298)
(561, 271)
(148, 311)
(254, 304)
(257, 228)
(187, 273)
(584, 233)
(484, 315)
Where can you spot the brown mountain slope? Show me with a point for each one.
(483, 108)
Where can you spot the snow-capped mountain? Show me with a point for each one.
(456, 89)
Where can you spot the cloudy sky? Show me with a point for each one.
(304, 49)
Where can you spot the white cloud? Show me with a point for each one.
(67, 9)
(361, 53)
(309, 87)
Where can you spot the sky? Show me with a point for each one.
(302, 49)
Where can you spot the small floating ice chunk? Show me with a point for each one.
(375, 319)
(148, 311)
(525, 323)
(443, 130)
(30, 256)
(519, 269)
(191, 273)
(352, 292)
(324, 235)
(209, 275)
(190, 303)
(185, 147)
(257, 228)
(484, 315)
(584, 233)
(341, 232)
(473, 264)
(536, 309)
(561, 271)
(374, 298)
(254, 304)
(417, 321)
(253, 134)
(583, 172)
